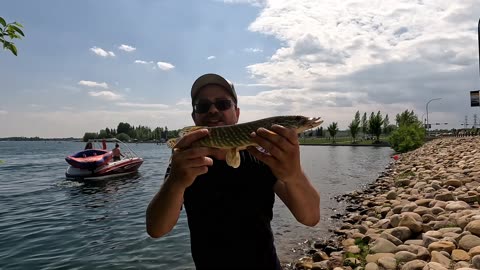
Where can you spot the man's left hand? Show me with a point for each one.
(283, 155)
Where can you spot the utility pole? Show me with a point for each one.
(465, 124)
(475, 121)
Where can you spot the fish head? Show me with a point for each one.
(301, 123)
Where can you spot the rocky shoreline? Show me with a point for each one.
(422, 213)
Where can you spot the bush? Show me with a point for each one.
(123, 137)
(407, 138)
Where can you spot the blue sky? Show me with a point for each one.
(87, 65)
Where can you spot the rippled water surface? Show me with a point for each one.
(47, 222)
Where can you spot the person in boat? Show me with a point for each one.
(229, 210)
(88, 146)
(116, 153)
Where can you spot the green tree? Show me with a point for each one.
(364, 124)
(9, 32)
(406, 118)
(410, 133)
(375, 125)
(355, 126)
(89, 135)
(124, 128)
(386, 125)
(407, 138)
(123, 137)
(333, 129)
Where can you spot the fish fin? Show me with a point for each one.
(189, 129)
(233, 158)
(171, 142)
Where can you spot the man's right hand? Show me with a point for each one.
(189, 162)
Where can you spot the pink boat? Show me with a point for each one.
(97, 164)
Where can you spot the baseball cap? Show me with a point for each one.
(212, 78)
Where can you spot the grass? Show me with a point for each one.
(338, 140)
(362, 256)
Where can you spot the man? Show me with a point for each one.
(229, 210)
(117, 155)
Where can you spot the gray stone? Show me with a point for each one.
(402, 233)
(473, 227)
(414, 265)
(387, 263)
(405, 256)
(371, 266)
(476, 261)
(434, 266)
(469, 241)
(441, 259)
(381, 245)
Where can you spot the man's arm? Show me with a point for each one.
(293, 186)
(186, 164)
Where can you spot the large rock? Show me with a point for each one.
(405, 256)
(381, 245)
(474, 251)
(387, 263)
(409, 222)
(414, 265)
(442, 246)
(460, 255)
(373, 258)
(371, 266)
(402, 233)
(476, 261)
(473, 227)
(434, 266)
(469, 241)
(441, 259)
(457, 206)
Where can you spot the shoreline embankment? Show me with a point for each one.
(421, 213)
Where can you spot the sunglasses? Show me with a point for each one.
(204, 106)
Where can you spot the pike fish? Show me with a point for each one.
(237, 137)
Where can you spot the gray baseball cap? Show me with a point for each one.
(212, 78)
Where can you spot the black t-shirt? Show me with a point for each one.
(229, 213)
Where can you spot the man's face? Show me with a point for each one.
(215, 116)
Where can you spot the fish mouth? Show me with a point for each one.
(314, 121)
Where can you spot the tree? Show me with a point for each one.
(123, 137)
(407, 118)
(89, 135)
(333, 129)
(364, 124)
(10, 31)
(386, 124)
(375, 125)
(410, 133)
(407, 138)
(354, 126)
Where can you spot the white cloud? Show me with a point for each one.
(126, 48)
(143, 62)
(352, 55)
(101, 52)
(107, 95)
(251, 2)
(93, 84)
(184, 102)
(211, 57)
(253, 50)
(165, 66)
(143, 105)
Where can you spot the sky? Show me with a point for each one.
(87, 65)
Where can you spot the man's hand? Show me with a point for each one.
(283, 158)
(189, 162)
(283, 155)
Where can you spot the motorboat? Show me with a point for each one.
(97, 163)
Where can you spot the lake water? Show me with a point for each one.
(47, 222)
